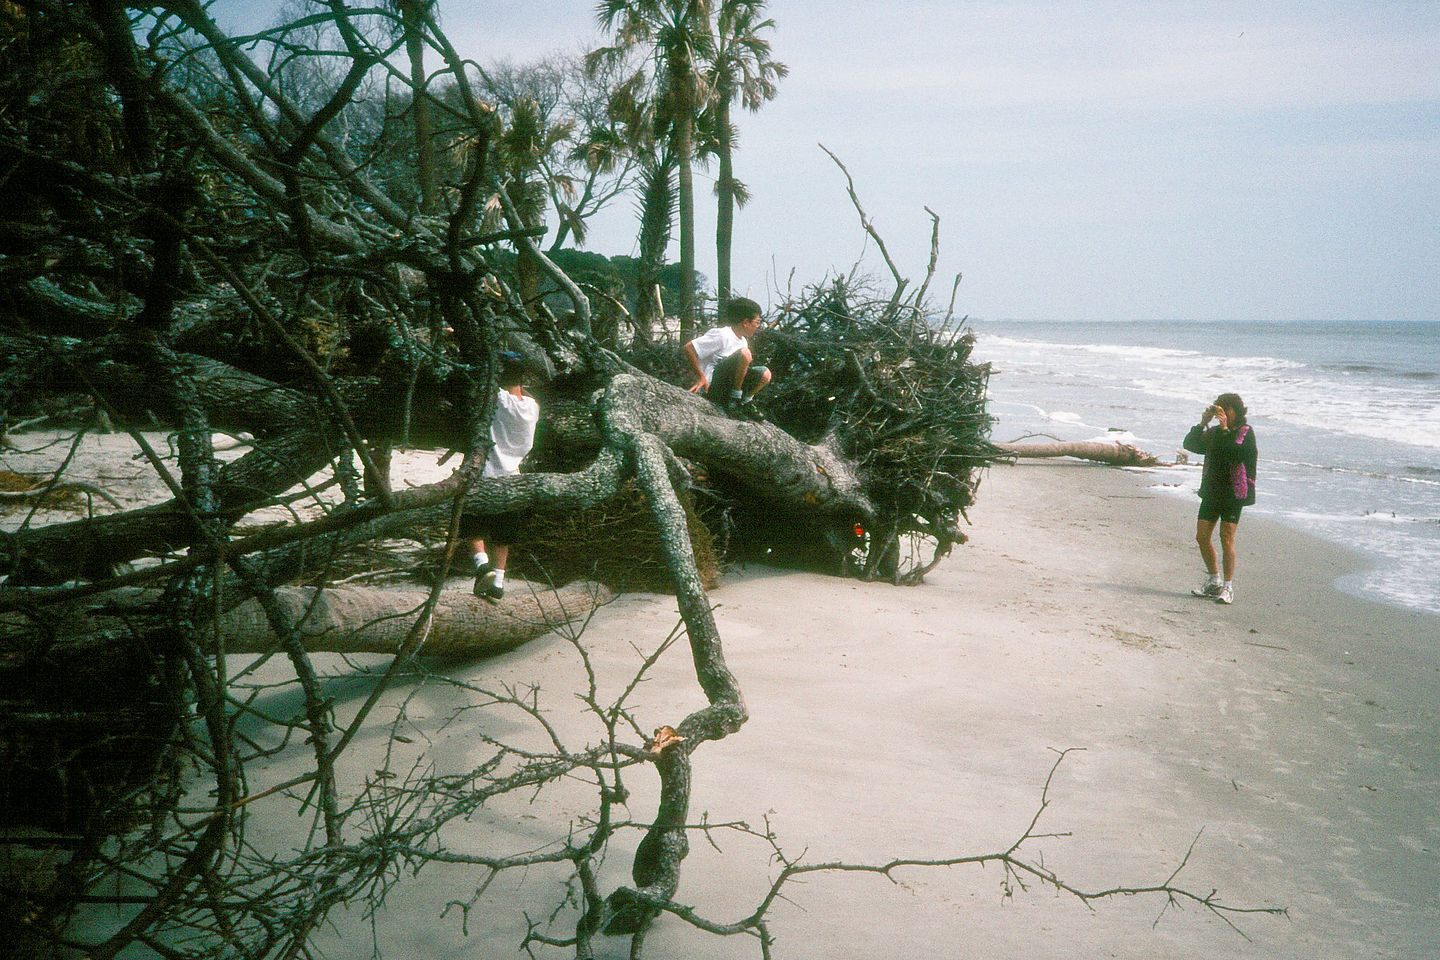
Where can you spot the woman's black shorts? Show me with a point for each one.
(1227, 512)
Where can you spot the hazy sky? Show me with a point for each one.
(1262, 159)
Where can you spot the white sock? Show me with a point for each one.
(481, 559)
(499, 577)
(736, 394)
(1215, 579)
(1228, 585)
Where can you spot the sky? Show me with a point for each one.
(1157, 159)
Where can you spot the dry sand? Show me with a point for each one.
(1295, 733)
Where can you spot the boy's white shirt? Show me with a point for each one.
(512, 431)
(715, 345)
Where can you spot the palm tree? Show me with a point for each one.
(529, 137)
(677, 38)
(657, 215)
(634, 134)
(742, 72)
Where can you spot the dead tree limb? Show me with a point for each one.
(1020, 869)
(900, 281)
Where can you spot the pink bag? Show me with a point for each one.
(1240, 484)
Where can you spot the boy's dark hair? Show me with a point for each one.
(513, 370)
(741, 308)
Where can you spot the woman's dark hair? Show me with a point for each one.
(1233, 401)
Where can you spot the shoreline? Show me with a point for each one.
(1347, 452)
(1363, 564)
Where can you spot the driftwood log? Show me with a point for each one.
(1118, 454)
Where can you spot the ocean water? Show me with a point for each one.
(1346, 415)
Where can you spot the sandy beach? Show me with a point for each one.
(1293, 738)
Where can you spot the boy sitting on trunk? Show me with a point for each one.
(721, 360)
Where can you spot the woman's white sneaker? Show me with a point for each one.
(1226, 594)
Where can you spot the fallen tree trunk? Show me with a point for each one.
(788, 474)
(370, 620)
(351, 619)
(1118, 454)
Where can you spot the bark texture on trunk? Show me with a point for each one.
(369, 620)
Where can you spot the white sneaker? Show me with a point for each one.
(1210, 588)
(1225, 594)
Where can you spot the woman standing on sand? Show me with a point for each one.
(1227, 484)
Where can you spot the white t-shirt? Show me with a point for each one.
(512, 430)
(715, 345)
